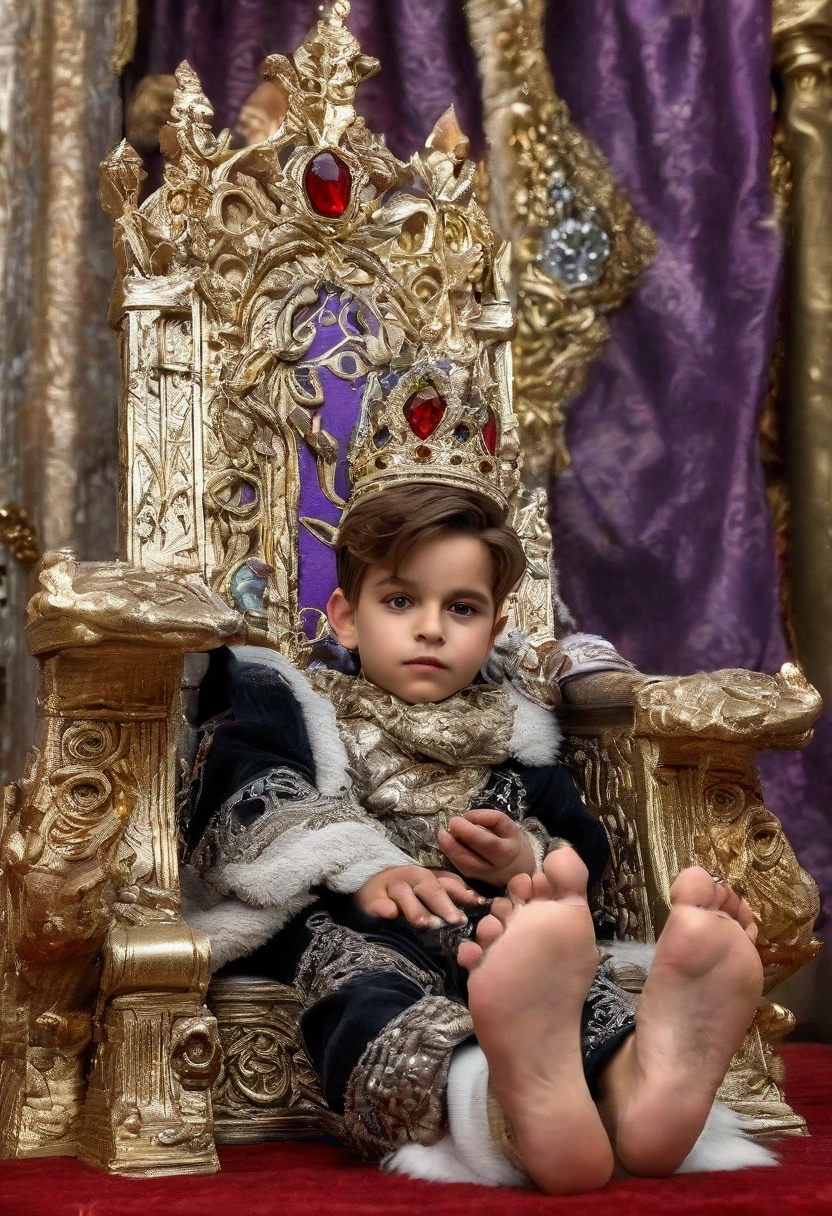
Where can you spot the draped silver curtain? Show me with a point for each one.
(60, 113)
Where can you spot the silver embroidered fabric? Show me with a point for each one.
(336, 955)
(396, 1092)
(239, 834)
(608, 1010)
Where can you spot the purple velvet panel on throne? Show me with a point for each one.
(662, 531)
(335, 360)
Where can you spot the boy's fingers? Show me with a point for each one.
(487, 844)
(411, 907)
(468, 863)
(382, 906)
(471, 864)
(488, 817)
(458, 891)
(433, 895)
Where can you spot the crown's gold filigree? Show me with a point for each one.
(435, 426)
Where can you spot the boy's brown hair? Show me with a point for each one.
(381, 529)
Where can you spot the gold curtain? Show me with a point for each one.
(802, 52)
(60, 114)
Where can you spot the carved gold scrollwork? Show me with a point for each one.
(603, 767)
(195, 1054)
(266, 1088)
(18, 534)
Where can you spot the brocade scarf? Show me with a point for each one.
(416, 766)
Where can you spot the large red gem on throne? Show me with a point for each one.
(328, 184)
(424, 411)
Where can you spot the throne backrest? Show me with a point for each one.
(267, 299)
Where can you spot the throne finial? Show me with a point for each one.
(339, 10)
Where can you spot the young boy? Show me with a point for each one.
(458, 1040)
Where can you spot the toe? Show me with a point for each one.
(730, 902)
(488, 931)
(541, 887)
(694, 886)
(520, 889)
(502, 908)
(469, 955)
(566, 873)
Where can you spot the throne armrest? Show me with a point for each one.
(100, 603)
(669, 766)
(89, 834)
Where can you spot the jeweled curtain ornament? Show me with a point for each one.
(60, 113)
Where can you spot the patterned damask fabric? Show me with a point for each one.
(662, 532)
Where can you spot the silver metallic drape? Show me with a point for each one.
(60, 113)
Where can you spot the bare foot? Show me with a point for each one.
(697, 1004)
(531, 968)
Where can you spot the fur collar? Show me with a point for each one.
(534, 736)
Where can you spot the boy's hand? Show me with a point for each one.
(486, 844)
(425, 897)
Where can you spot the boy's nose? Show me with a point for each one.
(429, 627)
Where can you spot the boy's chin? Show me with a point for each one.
(421, 689)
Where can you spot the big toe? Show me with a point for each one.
(566, 873)
(697, 887)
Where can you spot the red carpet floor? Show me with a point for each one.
(318, 1180)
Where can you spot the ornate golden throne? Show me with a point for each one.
(267, 298)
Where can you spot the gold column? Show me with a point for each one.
(803, 60)
(60, 113)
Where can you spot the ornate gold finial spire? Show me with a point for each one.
(338, 12)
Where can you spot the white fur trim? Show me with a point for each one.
(342, 855)
(536, 735)
(278, 885)
(724, 1144)
(234, 929)
(639, 954)
(432, 1162)
(328, 751)
(467, 1153)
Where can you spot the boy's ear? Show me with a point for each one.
(500, 622)
(341, 616)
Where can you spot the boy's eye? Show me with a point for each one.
(398, 601)
(463, 610)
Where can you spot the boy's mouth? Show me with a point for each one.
(425, 660)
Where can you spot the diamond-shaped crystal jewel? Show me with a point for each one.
(575, 247)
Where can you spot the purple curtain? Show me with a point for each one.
(663, 536)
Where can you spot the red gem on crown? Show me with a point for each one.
(328, 184)
(489, 433)
(424, 411)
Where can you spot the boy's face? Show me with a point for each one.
(424, 634)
